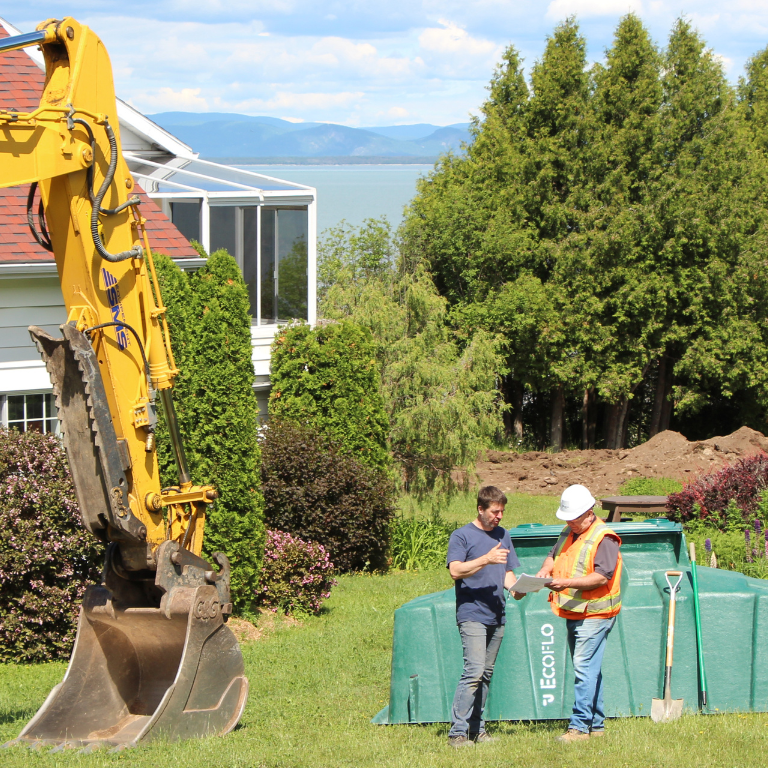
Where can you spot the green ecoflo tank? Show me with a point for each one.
(533, 679)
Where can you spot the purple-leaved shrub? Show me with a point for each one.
(47, 557)
(707, 497)
(296, 575)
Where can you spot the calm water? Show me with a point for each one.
(353, 192)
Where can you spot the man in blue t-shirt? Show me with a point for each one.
(481, 560)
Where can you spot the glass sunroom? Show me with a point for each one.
(269, 225)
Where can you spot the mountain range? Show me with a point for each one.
(233, 137)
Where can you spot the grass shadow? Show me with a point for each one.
(9, 716)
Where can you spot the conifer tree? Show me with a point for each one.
(209, 321)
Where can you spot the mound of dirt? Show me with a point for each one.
(668, 454)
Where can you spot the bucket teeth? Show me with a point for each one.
(65, 745)
(92, 747)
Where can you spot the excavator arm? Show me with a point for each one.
(152, 655)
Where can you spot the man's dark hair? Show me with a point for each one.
(490, 494)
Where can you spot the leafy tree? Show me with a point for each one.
(438, 388)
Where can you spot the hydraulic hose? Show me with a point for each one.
(135, 252)
(135, 336)
(42, 236)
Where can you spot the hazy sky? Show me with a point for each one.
(358, 62)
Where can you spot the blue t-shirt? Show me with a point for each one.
(480, 597)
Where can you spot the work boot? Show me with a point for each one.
(484, 738)
(572, 735)
(601, 732)
(460, 741)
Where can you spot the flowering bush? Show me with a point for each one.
(707, 498)
(296, 575)
(47, 557)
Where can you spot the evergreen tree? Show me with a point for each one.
(209, 321)
(608, 264)
(328, 377)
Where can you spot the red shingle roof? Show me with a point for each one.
(21, 85)
(21, 80)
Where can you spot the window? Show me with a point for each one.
(32, 412)
(223, 229)
(186, 218)
(284, 235)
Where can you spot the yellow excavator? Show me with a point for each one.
(153, 657)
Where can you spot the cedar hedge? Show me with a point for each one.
(210, 325)
(47, 557)
(328, 376)
(314, 489)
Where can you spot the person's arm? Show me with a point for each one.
(591, 581)
(546, 569)
(606, 558)
(509, 580)
(463, 570)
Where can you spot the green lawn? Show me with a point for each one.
(462, 508)
(316, 685)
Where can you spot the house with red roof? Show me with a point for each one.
(260, 220)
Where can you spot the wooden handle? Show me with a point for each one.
(693, 552)
(671, 632)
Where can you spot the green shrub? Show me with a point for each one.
(650, 486)
(47, 557)
(419, 543)
(296, 575)
(737, 546)
(328, 377)
(210, 325)
(315, 490)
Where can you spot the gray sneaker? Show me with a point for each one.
(484, 738)
(460, 741)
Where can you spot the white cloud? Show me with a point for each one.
(560, 9)
(397, 113)
(285, 100)
(450, 38)
(187, 99)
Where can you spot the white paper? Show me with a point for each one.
(526, 583)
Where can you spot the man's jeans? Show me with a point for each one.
(586, 640)
(481, 646)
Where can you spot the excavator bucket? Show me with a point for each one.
(153, 657)
(138, 674)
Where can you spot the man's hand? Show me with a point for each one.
(518, 595)
(463, 570)
(497, 556)
(558, 585)
(546, 569)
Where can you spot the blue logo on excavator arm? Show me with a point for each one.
(113, 297)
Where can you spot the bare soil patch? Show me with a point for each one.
(668, 454)
(247, 632)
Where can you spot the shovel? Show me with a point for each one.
(666, 709)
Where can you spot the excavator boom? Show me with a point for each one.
(153, 656)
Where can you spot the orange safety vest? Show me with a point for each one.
(577, 558)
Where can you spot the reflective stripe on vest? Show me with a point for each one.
(573, 600)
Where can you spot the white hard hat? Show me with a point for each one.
(574, 502)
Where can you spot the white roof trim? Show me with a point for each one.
(152, 132)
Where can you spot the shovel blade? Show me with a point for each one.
(666, 710)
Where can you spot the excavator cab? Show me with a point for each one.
(153, 656)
